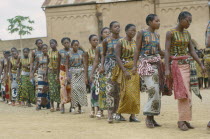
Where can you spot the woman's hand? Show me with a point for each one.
(102, 70)
(127, 75)
(134, 70)
(168, 74)
(203, 68)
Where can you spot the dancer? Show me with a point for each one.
(14, 61)
(65, 88)
(77, 76)
(26, 88)
(129, 84)
(148, 46)
(108, 62)
(178, 42)
(99, 78)
(53, 76)
(41, 66)
(93, 39)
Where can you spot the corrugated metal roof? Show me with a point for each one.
(54, 3)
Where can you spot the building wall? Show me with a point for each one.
(27, 43)
(78, 22)
(168, 11)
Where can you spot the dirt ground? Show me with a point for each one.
(26, 123)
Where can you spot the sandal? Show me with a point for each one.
(188, 125)
(52, 110)
(62, 110)
(29, 105)
(92, 114)
(57, 109)
(149, 123)
(156, 124)
(99, 115)
(38, 107)
(110, 120)
(182, 126)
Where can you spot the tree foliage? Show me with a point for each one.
(21, 25)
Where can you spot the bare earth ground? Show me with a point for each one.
(26, 123)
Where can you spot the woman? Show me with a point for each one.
(65, 88)
(129, 84)
(93, 39)
(108, 62)
(53, 76)
(5, 79)
(76, 73)
(33, 75)
(148, 47)
(178, 42)
(13, 67)
(26, 88)
(99, 78)
(41, 66)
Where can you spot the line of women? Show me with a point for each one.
(112, 70)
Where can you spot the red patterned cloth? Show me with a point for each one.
(180, 91)
(145, 67)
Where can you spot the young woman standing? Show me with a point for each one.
(13, 69)
(177, 49)
(93, 39)
(65, 87)
(129, 84)
(77, 76)
(33, 75)
(148, 47)
(41, 66)
(108, 62)
(53, 76)
(99, 78)
(26, 88)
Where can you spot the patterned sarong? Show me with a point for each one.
(78, 87)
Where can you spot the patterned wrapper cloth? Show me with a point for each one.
(65, 89)
(129, 90)
(78, 87)
(148, 70)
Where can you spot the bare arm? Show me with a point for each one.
(138, 47)
(118, 50)
(19, 70)
(59, 62)
(9, 67)
(104, 45)
(32, 64)
(36, 66)
(193, 54)
(96, 61)
(67, 65)
(1, 67)
(84, 57)
(167, 52)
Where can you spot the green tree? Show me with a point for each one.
(20, 25)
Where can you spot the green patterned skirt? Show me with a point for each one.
(54, 87)
(26, 89)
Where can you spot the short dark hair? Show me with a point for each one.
(91, 36)
(27, 49)
(183, 15)
(73, 41)
(150, 18)
(36, 42)
(112, 23)
(54, 41)
(129, 26)
(65, 38)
